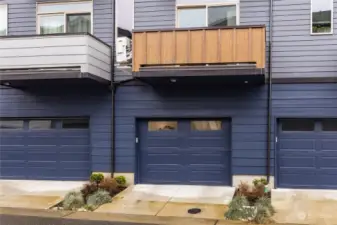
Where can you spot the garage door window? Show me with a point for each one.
(75, 124)
(11, 124)
(329, 125)
(162, 125)
(41, 124)
(206, 125)
(298, 125)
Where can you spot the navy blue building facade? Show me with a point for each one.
(192, 134)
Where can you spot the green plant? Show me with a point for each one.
(262, 181)
(89, 207)
(121, 180)
(89, 189)
(100, 197)
(73, 200)
(110, 185)
(96, 177)
(239, 209)
(264, 211)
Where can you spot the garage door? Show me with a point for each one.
(51, 149)
(184, 152)
(307, 153)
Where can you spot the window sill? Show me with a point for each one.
(319, 34)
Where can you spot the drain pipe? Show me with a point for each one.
(269, 98)
(113, 91)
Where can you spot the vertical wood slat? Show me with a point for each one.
(200, 46)
(181, 47)
(242, 47)
(212, 46)
(196, 46)
(167, 48)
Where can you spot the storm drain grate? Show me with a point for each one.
(194, 211)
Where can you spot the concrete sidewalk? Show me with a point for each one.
(34, 194)
(171, 201)
(305, 206)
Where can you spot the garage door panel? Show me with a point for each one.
(208, 159)
(9, 155)
(74, 164)
(298, 171)
(73, 174)
(45, 153)
(327, 162)
(43, 172)
(48, 156)
(296, 144)
(307, 159)
(297, 162)
(206, 142)
(329, 181)
(329, 144)
(184, 155)
(73, 157)
(292, 180)
(162, 159)
(162, 142)
(162, 150)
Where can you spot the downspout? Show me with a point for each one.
(269, 98)
(113, 91)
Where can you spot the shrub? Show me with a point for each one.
(239, 209)
(262, 181)
(73, 200)
(251, 193)
(100, 197)
(89, 189)
(121, 180)
(110, 185)
(243, 189)
(264, 211)
(96, 177)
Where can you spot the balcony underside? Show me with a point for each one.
(201, 74)
(47, 77)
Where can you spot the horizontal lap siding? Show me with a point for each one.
(296, 53)
(256, 13)
(22, 17)
(72, 102)
(246, 108)
(152, 14)
(305, 100)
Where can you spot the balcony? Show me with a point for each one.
(66, 58)
(200, 54)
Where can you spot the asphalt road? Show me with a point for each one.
(32, 220)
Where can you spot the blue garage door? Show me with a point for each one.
(184, 152)
(50, 149)
(307, 153)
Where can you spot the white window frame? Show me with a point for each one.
(207, 5)
(332, 18)
(64, 13)
(5, 6)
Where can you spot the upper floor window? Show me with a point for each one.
(3, 20)
(70, 17)
(321, 16)
(207, 15)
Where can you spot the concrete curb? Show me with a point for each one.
(111, 217)
(34, 212)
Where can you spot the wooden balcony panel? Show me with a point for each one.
(241, 44)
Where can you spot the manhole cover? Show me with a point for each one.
(194, 211)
